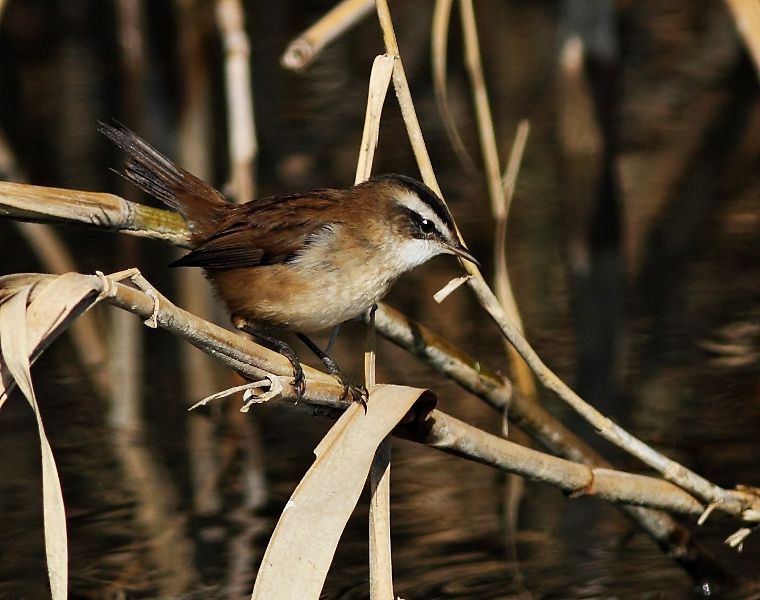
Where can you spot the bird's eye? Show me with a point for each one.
(427, 226)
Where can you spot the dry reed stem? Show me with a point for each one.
(241, 131)
(380, 565)
(486, 130)
(304, 49)
(404, 96)
(107, 211)
(380, 557)
(501, 276)
(513, 163)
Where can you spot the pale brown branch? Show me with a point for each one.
(107, 211)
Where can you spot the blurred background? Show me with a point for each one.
(633, 252)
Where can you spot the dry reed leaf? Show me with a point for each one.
(24, 332)
(56, 302)
(379, 80)
(303, 544)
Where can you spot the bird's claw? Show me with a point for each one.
(299, 382)
(358, 393)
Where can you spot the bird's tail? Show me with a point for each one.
(200, 204)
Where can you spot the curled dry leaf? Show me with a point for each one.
(303, 543)
(24, 332)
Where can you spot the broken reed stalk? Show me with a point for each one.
(304, 49)
(105, 211)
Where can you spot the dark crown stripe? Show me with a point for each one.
(424, 193)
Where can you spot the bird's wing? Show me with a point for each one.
(266, 231)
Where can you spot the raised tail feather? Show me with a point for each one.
(199, 203)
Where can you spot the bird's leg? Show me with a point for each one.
(333, 337)
(358, 392)
(299, 379)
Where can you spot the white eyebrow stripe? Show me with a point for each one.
(413, 202)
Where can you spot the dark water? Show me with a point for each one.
(662, 331)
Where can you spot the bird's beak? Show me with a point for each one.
(459, 249)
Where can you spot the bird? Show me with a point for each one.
(298, 262)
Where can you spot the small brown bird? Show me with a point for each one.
(298, 262)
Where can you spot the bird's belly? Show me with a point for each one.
(284, 297)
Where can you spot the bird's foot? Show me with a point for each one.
(357, 392)
(299, 378)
